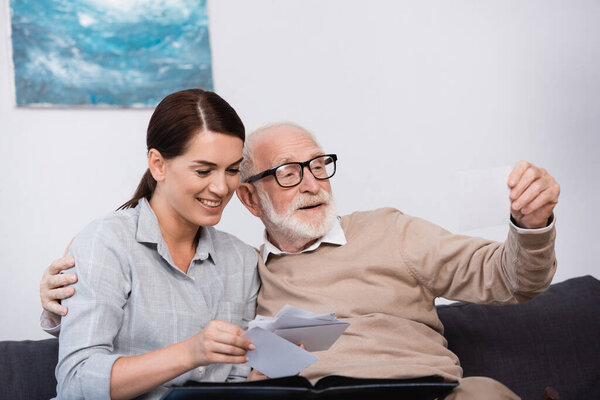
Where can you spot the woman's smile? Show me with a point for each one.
(211, 204)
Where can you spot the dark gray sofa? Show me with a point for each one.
(552, 340)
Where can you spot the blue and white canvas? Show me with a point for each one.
(108, 52)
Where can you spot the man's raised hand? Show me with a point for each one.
(533, 195)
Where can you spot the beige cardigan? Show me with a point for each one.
(384, 282)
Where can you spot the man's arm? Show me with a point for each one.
(478, 270)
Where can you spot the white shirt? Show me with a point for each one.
(334, 236)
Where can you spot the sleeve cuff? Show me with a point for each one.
(89, 380)
(96, 376)
(238, 373)
(524, 231)
(48, 324)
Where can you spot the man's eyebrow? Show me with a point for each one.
(317, 153)
(281, 161)
(287, 159)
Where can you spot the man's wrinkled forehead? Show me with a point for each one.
(280, 145)
(286, 158)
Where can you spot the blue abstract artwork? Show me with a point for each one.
(129, 53)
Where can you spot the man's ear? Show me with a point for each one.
(157, 165)
(246, 192)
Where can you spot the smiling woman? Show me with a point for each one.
(194, 187)
(162, 297)
(174, 130)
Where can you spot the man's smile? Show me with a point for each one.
(310, 207)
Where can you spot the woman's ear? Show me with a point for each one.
(246, 192)
(156, 165)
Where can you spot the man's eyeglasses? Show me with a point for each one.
(291, 174)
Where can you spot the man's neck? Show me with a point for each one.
(289, 244)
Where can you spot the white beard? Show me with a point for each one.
(286, 224)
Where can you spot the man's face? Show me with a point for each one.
(304, 211)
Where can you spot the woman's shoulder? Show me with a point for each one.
(224, 242)
(114, 227)
(103, 247)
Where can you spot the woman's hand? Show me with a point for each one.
(220, 342)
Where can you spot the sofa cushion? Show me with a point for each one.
(27, 369)
(552, 340)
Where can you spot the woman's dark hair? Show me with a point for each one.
(175, 121)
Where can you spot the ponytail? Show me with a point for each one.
(144, 190)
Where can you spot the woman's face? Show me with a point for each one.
(199, 183)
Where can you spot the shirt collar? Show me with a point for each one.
(148, 231)
(334, 236)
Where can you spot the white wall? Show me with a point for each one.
(407, 93)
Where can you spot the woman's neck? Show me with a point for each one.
(178, 233)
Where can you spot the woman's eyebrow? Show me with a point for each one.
(237, 162)
(212, 164)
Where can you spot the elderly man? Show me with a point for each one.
(379, 270)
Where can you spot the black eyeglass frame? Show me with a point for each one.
(271, 171)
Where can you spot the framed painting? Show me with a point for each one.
(108, 52)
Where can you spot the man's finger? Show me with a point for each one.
(61, 293)
(61, 264)
(547, 210)
(55, 307)
(537, 219)
(56, 281)
(515, 175)
(529, 195)
(542, 200)
(68, 247)
(528, 177)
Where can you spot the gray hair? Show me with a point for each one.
(247, 168)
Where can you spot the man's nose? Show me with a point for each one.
(309, 183)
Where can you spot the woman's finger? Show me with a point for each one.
(227, 349)
(234, 340)
(227, 359)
